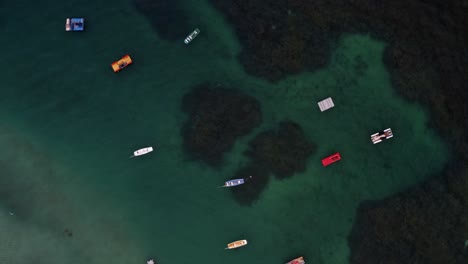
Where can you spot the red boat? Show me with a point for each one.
(331, 159)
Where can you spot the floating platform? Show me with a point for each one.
(74, 24)
(326, 104)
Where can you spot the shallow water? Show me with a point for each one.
(70, 124)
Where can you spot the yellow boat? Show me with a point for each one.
(236, 244)
(122, 63)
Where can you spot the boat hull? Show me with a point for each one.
(237, 244)
(331, 159)
(381, 136)
(192, 36)
(299, 260)
(142, 151)
(235, 182)
(122, 63)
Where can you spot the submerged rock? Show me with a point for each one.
(218, 116)
(283, 151)
(251, 190)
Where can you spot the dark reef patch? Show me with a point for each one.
(427, 224)
(217, 117)
(428, 62)
(166, 17)
(249, 192)
(284, 152)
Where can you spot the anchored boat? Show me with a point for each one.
(74, 24)
(122, 63)
(237, 244)
(331, 159)
(142, 151)
(235, 182)
(192, 35)
(380, 136)
(151, 261)
(299, 260)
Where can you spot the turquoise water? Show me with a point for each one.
(70, 124)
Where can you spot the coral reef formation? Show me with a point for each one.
(218, 116)
(282, 152)
(427, 223)
(428, 61)
(249, 192)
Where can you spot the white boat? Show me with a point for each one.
(67, 25)
(142, 151)
(192, 35)
(151, 261)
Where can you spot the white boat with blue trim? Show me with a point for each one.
(235, 182)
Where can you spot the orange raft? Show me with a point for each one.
(122, 63)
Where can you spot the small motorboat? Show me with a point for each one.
(74, 24)
(122, 63)
(331, 159)
(151, 261)
(142, 151)
(235, 182)
(381, 136)
(192, 35)
(237, 244)
(299, 260)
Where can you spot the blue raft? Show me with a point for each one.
(74, 24)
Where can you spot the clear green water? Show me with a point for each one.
(70, 123)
